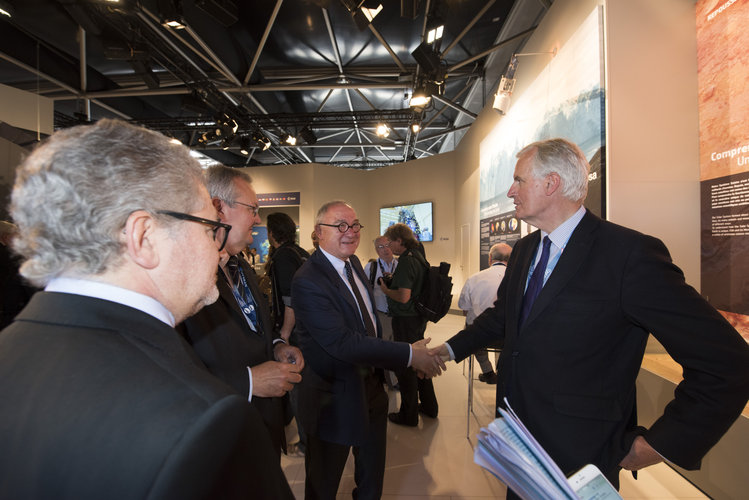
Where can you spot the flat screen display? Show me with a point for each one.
(417, 216)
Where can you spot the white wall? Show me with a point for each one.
(26, 110)
(653, 144)
(415, 181)
(652, 134)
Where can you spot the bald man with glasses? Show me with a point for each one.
(103, 397)
(343, 406)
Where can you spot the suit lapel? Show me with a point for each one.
(335, 279)
(575, 253)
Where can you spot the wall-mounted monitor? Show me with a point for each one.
(417, 216)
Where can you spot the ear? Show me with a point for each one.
(140, 239)
(218, 205)
(552, 183)
(318, 231)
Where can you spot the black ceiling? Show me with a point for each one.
(271, 68)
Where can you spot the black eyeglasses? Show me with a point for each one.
(343, 227)
(386, 245)
(220, 230)
(253, 208)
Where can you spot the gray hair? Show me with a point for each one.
(220, 182)
(327, 206)
(564, 158)
(74, 193)
(500, 252)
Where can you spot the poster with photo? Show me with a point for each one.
(565, 100)
(723, 76)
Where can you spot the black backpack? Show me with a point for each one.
(435, 297)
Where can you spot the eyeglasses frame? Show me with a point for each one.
(192, 218)
(346, 224)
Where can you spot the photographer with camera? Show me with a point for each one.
(379, 269)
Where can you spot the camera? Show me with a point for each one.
(386, 278)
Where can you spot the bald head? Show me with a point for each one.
(499, 253)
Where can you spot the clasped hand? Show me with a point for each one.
(273, 379)
(425, 362)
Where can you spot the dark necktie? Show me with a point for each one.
(241, 290)
(362, 308)
(536, 282)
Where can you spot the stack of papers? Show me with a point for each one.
(510, 452)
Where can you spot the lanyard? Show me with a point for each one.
(247, 307)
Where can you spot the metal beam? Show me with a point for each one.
(457, 107)
(261, 45)
(491, 49)
(466, 29)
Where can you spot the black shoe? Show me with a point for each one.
(398, 418)
(488, 377)
(427, 413)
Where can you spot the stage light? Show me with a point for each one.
(290, 140)
(6, 9)
(415, 128)
(435, 34)
(419, 98)
(244, 145)
(382, 130)
(308, 135)
(506, 85)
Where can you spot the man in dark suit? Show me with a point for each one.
(570, 357)
(101, 396)
(234, 336)
(342, 402)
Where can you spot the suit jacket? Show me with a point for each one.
(221, 337)
(338, 353)
(101, 400)
(570, 370)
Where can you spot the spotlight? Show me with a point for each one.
(419, 98)
(290, 140)
(415, 128)
(308, 135)
(506, 86)
(383, 130)
(263, 142)
(6, 9)
(171, 14)
(244, 145)
(435, 33)
(365, 13)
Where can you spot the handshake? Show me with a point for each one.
(427, 362)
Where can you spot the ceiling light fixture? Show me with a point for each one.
(262, 141)
(290, 140)
(6, 9)
(382, 130)
(415, 128)
(435, 34)
(419, 98)
(506, 86)
(364, 13)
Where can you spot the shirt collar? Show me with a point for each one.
(338, 264)
(112, 293)
(561, 235)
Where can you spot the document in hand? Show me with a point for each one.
(510, 452)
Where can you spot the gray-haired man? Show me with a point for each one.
(103, 397)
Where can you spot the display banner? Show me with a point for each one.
(565, 100)
(723, 75)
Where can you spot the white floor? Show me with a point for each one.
(435, 459)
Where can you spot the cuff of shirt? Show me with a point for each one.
(249, 374)
(450, 350)
(410, 355)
